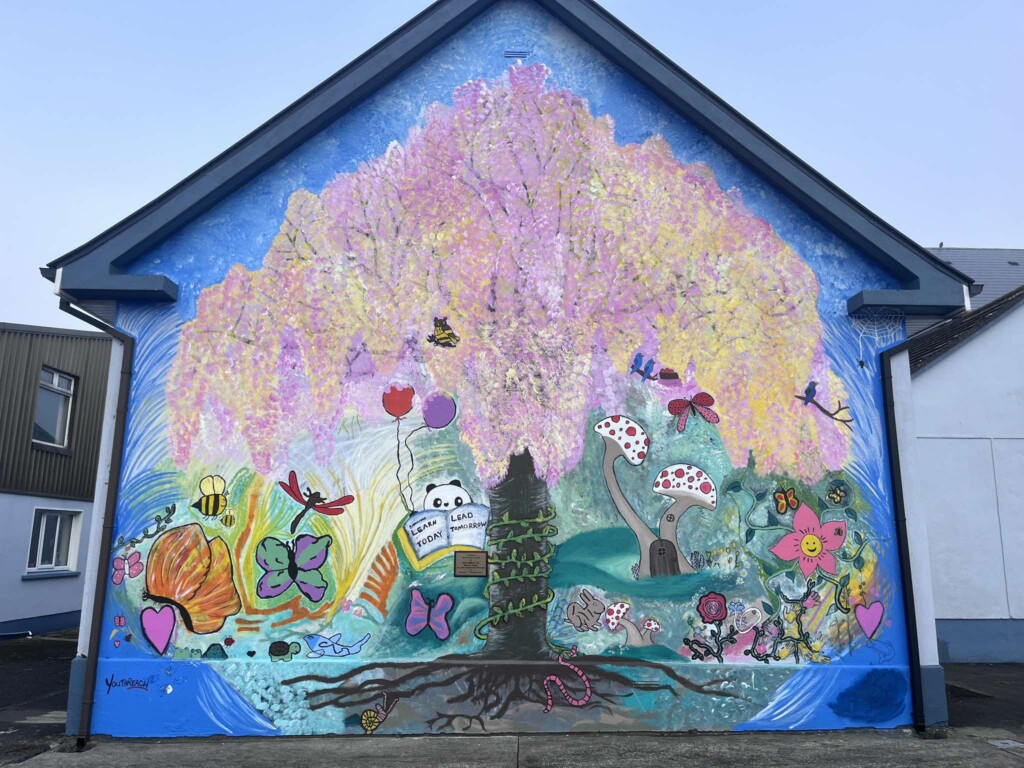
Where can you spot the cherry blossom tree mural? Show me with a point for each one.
(555, 254)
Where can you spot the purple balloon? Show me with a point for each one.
(438, 411)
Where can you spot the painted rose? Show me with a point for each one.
(811, 542)
(712, 607)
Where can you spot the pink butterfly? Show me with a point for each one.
(424, 613)
(132, 565)
(119, 621)
(700, 403)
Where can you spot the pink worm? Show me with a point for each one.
(563, 660)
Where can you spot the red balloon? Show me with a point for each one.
(397, 400)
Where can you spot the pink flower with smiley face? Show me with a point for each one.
(811, 542)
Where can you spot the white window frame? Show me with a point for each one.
(70, 517)
(69, 393)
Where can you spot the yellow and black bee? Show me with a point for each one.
(212, 500)
(443, 335)
(228, 518)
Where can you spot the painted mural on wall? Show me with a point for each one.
(510, 333)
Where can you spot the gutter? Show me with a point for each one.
(116, 454)
(903, 540)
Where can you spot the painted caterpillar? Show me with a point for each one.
(563, 660)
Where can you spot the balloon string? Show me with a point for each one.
(398, 469)
(412, 462)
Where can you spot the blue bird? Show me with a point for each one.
(810, 392)
(638, 360)
(649, 370)
(644, 370)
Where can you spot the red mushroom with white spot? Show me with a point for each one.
(688, 486)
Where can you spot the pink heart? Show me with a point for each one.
(157, 626)
(869, 617)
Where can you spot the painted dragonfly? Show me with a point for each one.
(312, 500)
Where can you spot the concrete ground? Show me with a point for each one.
(986, 709)
(34, 673)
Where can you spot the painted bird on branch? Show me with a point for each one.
(810, 392)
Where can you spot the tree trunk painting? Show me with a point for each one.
(521, 550)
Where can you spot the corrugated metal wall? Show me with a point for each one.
(24, 350)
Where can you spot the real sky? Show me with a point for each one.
(913, 108)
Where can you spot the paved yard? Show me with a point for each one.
(34, 676)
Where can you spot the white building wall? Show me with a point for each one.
(20, 598)
(969, 414)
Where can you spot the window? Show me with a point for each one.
(53, 408)
(50, 547)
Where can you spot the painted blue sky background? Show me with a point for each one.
(914, 109)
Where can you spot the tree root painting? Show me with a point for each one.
(479, 693)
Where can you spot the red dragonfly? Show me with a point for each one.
(698, 404)
(312, 500)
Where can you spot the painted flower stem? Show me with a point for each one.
(700, 650)
(841, 605)
(854, 556)
(776, 641)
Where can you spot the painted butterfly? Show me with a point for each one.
(836, 494)
(119, 621)
(426, 613)
(295, 564)
(698, 404)
(786, 499)
(130, 564)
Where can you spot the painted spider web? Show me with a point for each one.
(883, 325)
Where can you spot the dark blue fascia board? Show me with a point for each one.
(90, 279)
(927, 282)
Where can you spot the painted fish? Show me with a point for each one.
(331, 646)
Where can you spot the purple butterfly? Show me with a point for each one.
(424, 613)
(296, 564)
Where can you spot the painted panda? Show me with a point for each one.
(448, 496)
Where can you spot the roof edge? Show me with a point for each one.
(51, 331)
(93, 269)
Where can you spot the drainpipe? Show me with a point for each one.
(98, 592)
(927, 678)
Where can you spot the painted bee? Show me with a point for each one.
(228, 518)
(443, 335)
(212, 501)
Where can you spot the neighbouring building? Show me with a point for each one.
(995, 271)
(968, 398)
(509, 381)
(52, 388)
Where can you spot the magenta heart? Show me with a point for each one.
(157, 626)
(869, 617)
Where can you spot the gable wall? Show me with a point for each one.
(768, 250)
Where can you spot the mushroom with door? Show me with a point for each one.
(687, 486)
